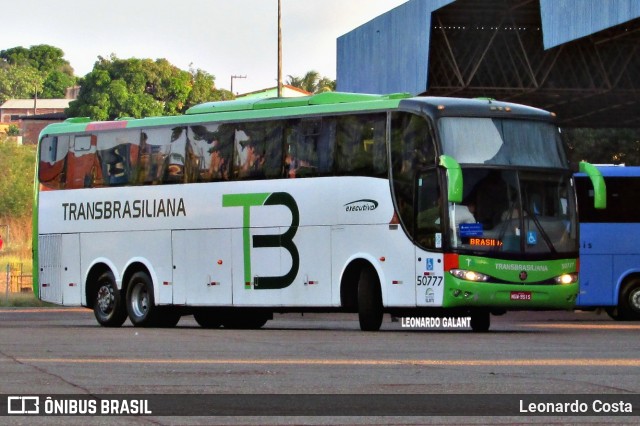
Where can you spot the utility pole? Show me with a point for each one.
(279, 48)
(236, 76)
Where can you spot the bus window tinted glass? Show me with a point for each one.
(623, 199)
(53, 151)
(213, 145)
(181, 165)
(429, 211)
(83, 167)
(117, 153)
(309, 147)
(502, 142)
(258, 150)
(412, 151)
(155, 147)
(361, 145)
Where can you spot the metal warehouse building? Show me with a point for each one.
(578, 58)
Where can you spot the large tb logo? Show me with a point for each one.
(285, 240)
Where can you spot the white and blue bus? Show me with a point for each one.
(333, 202)
(609, 249)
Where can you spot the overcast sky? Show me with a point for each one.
(222, 37)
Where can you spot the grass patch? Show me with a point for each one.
(20, 300)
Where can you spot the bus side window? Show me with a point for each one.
(212, 146)
(258, 150)
(53, 153)
(154, 150)
(361, 145)
(413, 151)
(83, 167)
(273, 146)
(302, 153)
(178, 164)
(118, 155)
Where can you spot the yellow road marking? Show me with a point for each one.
(581, 362)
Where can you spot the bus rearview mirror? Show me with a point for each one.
(599, 188)
(454, 178)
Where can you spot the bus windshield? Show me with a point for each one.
(502, 142)
(517, 212)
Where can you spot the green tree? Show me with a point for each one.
(604, 146)
(203, 88)
(55, 85)
(141, 88)
(42, 57)
(13, 130)
(39, 70)
(312, 82)
(19, 82)
(16, 181)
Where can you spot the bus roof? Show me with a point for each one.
(323, 103)
(619, 171)
(327, 98)
(462, 107)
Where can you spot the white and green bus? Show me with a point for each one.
(333, 202)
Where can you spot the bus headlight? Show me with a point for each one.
(566, 279)
(469, 275)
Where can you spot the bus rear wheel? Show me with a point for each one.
(207, 319)
(370, 309)
(245, 320)
(629, 302)
(108, 306)
(140, 301)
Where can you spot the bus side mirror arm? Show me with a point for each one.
(454, 178)
(599, 188)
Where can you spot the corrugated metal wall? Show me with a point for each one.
(389, 53)
(567, 20)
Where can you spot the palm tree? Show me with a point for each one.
(312, 82)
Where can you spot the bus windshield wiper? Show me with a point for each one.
(543, 233)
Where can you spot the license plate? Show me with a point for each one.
(520, 295)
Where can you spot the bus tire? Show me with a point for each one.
(207, 319)
(140, 301)
(245, 321)
(370, 309)
(480, 321)
(629, 302)
(167, 318)
(613, 312)
(108, 306)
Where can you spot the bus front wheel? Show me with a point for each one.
(480, 320)
(370, 309)
(108, 306)
(140, 301)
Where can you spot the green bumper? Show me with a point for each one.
(459, 293)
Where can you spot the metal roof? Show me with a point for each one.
(567, 20)
(389, 53)
(39, 103)
(561, 55)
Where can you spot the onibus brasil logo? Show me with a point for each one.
(285, 240)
